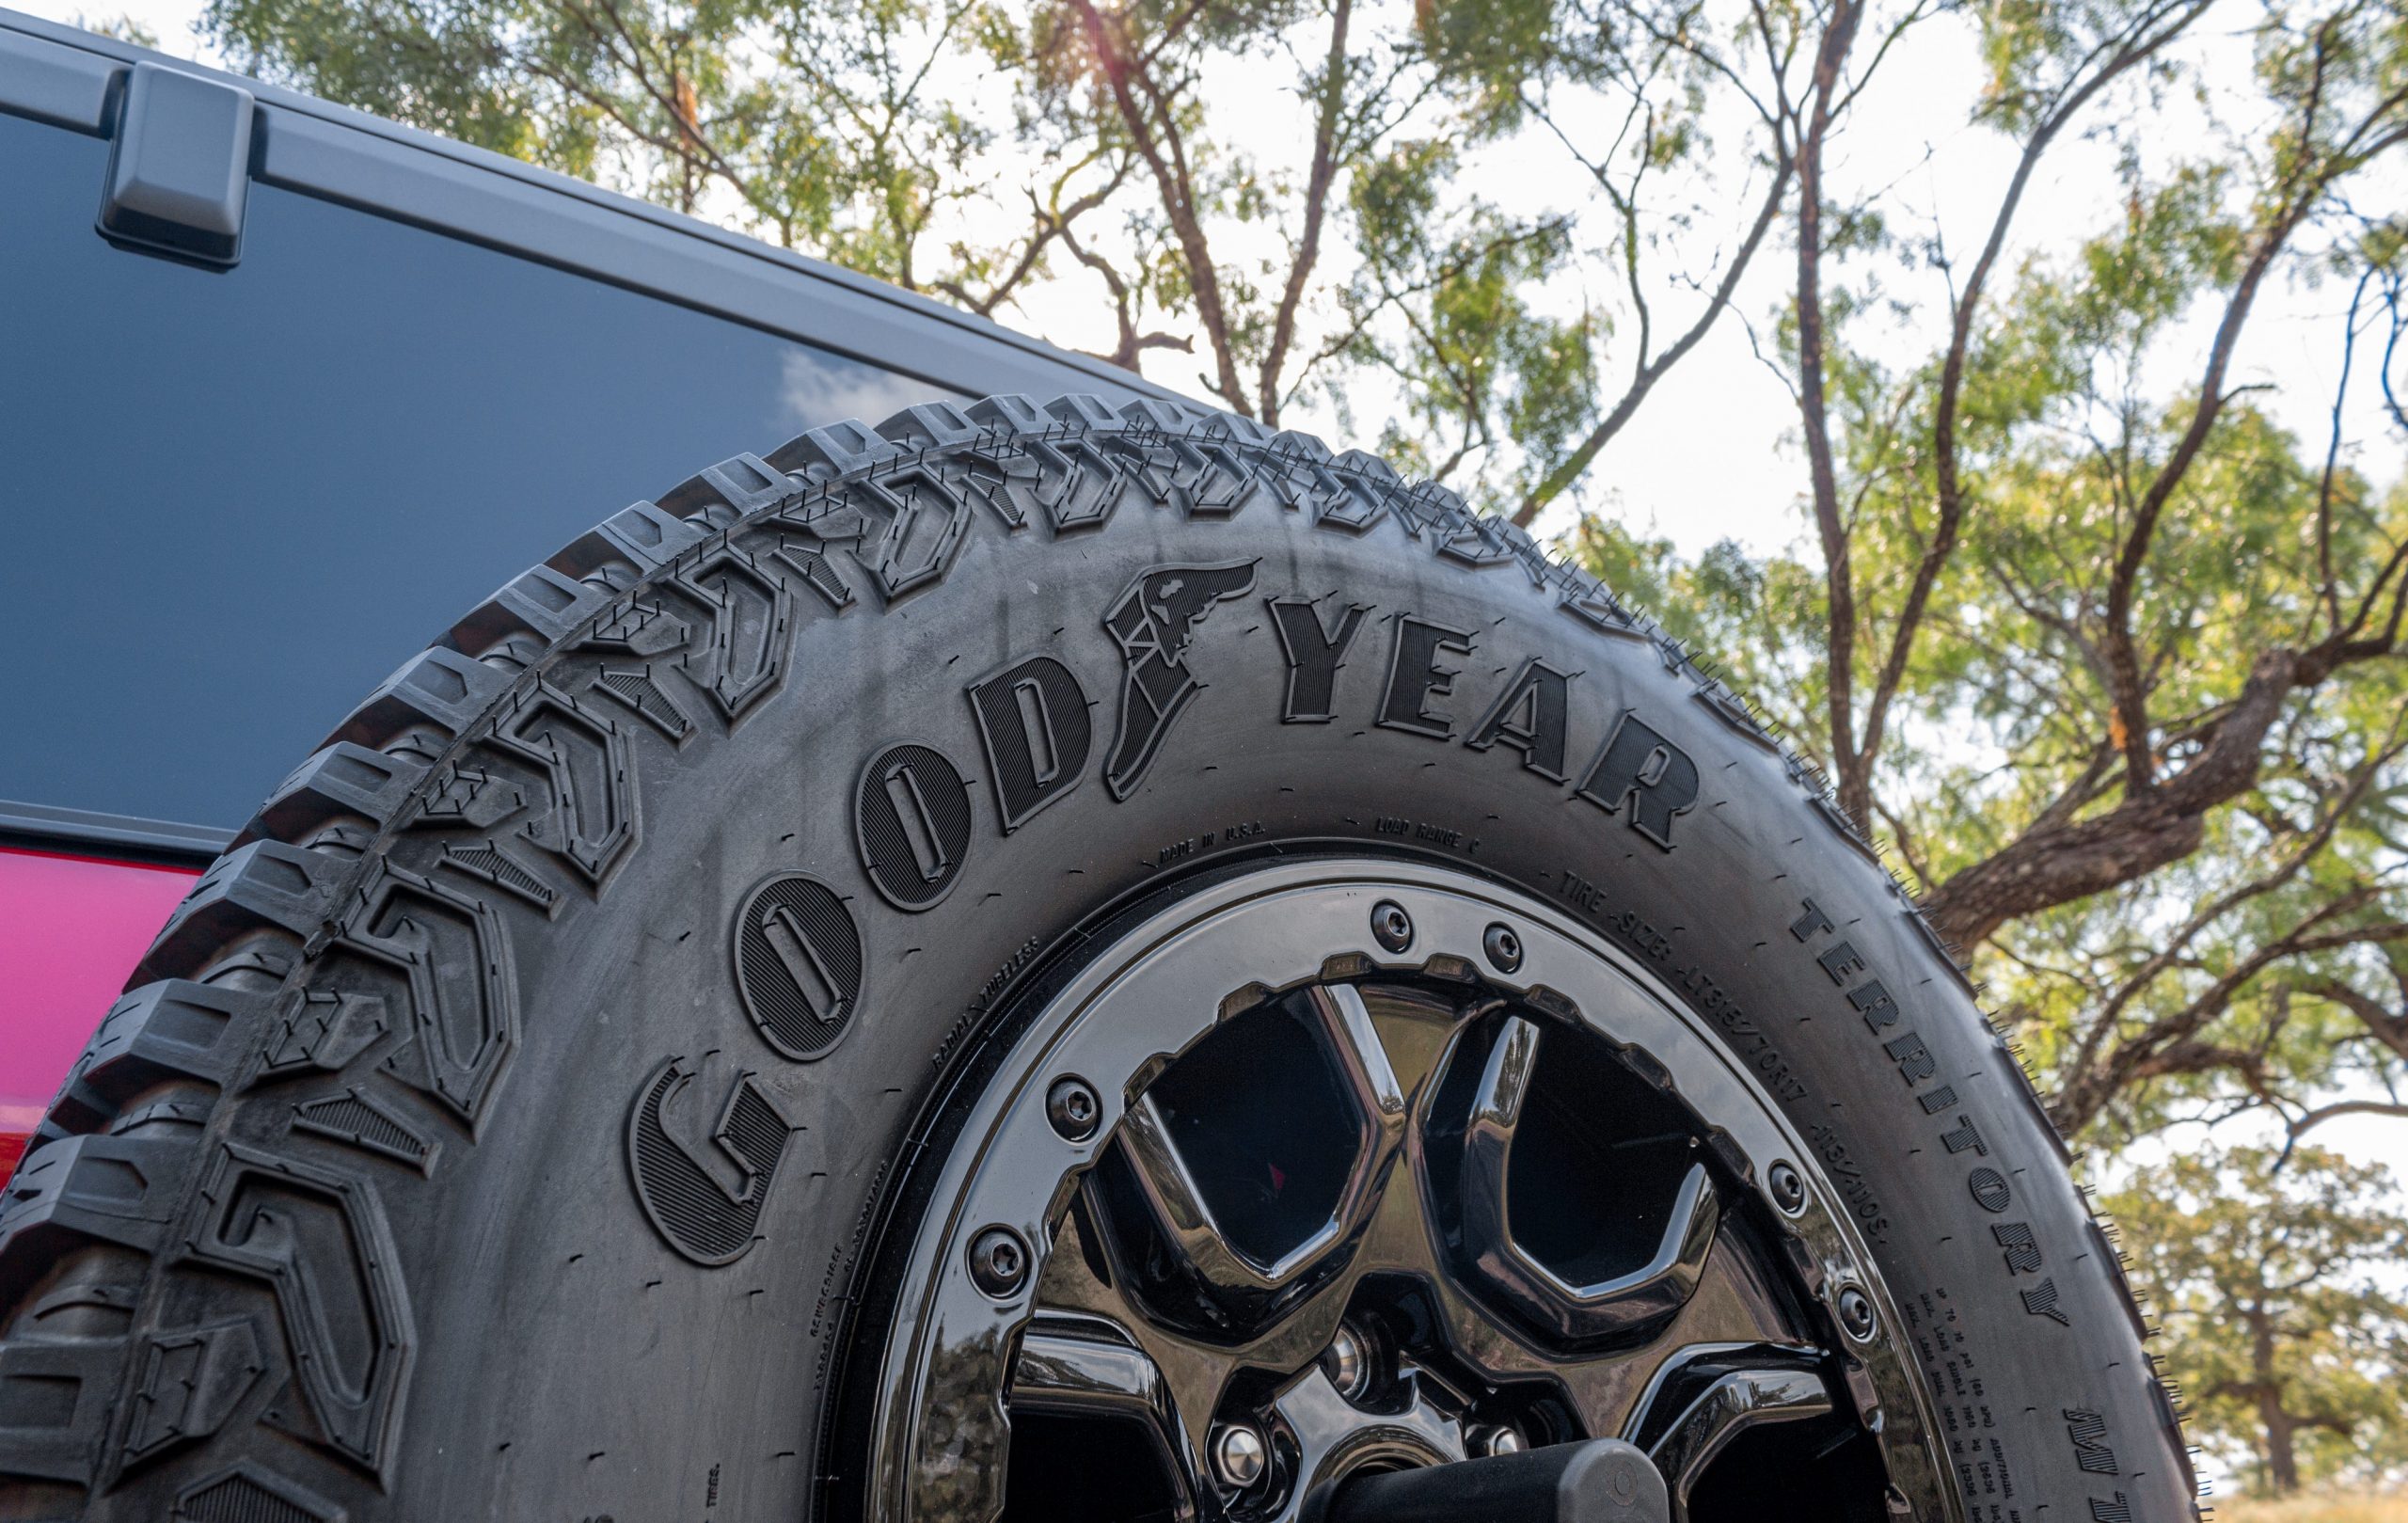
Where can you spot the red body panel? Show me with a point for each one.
(71, 929)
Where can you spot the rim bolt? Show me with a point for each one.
(1503, 1438)
(1390, 926)
(1856, 1313)
(998, 1263)
(1348, 1363)
(1788, 1190)
(1238, 1454)
(1072, 1107)
(1503, 947)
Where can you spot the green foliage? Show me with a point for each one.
(2254, 953)
(821, 125)
(2270, 1276)
(1477, 364)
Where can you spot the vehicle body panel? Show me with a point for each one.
(70, 929)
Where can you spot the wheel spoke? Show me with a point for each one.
(1617, 1305)
(1076, 1366)
(1362, 1055)
(1186, 1221)
(1732, 1309)
(1734, 1401)
(1177, 1203)
(1072, 1291)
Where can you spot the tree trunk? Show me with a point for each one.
(2281, 1459)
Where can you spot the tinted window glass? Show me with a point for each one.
(232, 502)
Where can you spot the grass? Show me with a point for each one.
(2328, 1507)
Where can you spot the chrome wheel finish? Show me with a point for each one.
(1239, 1456)
(1491, 1207)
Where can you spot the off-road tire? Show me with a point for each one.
(358, 1204)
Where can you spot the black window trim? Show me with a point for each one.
(88, 833)
(73, 79)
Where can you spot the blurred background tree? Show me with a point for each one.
(2265, 1269)
(2098, 629)
(2109, 659)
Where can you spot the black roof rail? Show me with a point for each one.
(35, 826)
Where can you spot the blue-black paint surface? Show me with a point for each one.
(232, 501)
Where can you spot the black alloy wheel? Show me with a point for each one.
(1377, 1167)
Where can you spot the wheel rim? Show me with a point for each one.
(1350, 1164)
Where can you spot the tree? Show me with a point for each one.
(2285, 1346)
(848, 128)
(2118, 674)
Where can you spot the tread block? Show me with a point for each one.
(751, 629)
(1371, 467)
(321, 1030)
(1300, 479)
(636, 688)
(88, 1189)
(745, 482)
(642, 534)
(362, 1118)
(1205, 424)
(931, 425)
(809, 559)
(1152, 413)
(1010, 412)
(838, 450)
(437, 686)
(1461, 538)
(1345, 501)
(266, 883)
(1344, 492)
(341, 779)
(248, 1494)
(1203, 479)
(1078, 482)
(1082, 410)
(639, 627)
(990, 478)
(186, 1384)
(539, 601)
(466, 796)
(52, 1394)
(927, 520)
(317, 1239)
(1534, 555)
(172, 1029)
(1295, 446)
(423, 961)
(588, 767)
(487, 863)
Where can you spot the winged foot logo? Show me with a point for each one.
(1154, 623)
